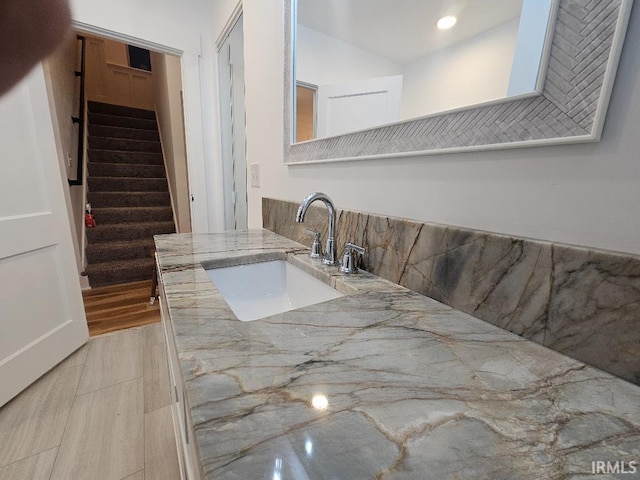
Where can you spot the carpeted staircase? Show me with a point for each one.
(128, 192)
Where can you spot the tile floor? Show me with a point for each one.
(101, 414)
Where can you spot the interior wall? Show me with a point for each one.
(167, 88)
(60, 69)
(474, 71)
(325, 60)
(583, 194)
(532, 32)
(109, 80)
(171, 24)
(116, 53)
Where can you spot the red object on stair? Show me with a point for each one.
(89, 221)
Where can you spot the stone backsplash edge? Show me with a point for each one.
(580, 301)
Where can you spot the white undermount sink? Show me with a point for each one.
(258, 290)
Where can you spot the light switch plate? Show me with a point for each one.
(255, 174)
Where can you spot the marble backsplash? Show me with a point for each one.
(579, 301)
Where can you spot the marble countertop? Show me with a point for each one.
(414, 389)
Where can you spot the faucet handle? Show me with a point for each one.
(353, 246)
(316, 249)
(348, 261)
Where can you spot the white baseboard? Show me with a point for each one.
(84, 282)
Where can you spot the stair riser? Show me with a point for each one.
(114, 199)
(107, 216)
(97, 107)
(118, 234)
(136, 158)
(125, 184)
(128, 133)
(114, 277)
(123, 145)
(97, 253)
(125, 170)
(118, 121)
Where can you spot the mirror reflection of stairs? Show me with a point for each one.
(128, 192)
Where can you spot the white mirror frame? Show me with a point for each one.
(582, 59)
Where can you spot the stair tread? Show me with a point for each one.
(124, 157)
(119, 264)
(122, 243)
(137, 192)
(123, 110)
(127, 164)
(114, 131)
(154, 130)
(131, 215)
(132, 178)
(125, 144)
(111, 114)
(125, 170)
(128, 199)
(106, 234)
(120, 139)
(119, 271)
(119, 250)
(106, 120)
(124, 151)
(129, 226)
(127, 209)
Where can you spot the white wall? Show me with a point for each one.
(532, 32)
(325, 60)
(474, 71)
(581, 194)
(471, 72)
(168, 105)
(186, 28)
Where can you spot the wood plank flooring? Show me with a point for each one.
(102, 414)
(117, 307)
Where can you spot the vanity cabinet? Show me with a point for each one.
(187, 453)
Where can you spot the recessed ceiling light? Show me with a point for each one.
(447, 22)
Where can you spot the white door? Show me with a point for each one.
(351, 106)
(42, 319)
(232, 126)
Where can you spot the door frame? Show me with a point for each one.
(202, 219)
(231, 23)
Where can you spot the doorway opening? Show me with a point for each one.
(306, 108)
(135, 173)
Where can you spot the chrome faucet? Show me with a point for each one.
(330, 255)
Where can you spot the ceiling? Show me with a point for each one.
(404, 30)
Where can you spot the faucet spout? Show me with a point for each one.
(330, 255)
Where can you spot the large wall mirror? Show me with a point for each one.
(377, 78)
